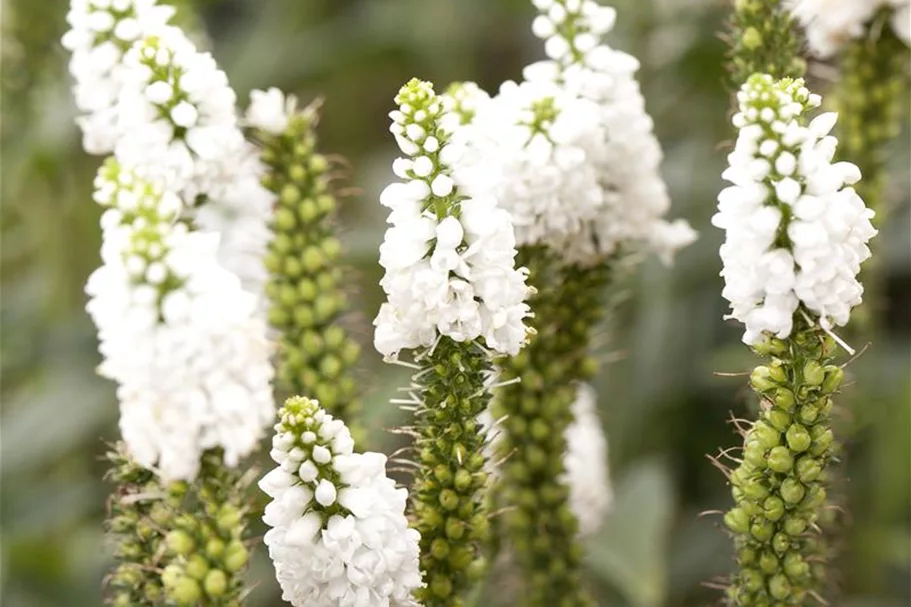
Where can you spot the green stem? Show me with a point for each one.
(315, 356)
(177, 544)
(779, 485)
(448, 489)
(538, 521)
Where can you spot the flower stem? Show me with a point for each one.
(538, 521)
(448, 490)
(779, 485)
(316, 355)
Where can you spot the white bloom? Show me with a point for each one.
(339, 534)
(571, 152)
(177, 332)
(100, 33)
(449, 260)
(795, 234)
(270, 110)
(587, 474)
(190, 140)
(830, 24)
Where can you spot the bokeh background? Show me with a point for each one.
(663, 406)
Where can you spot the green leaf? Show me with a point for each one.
(630, 550)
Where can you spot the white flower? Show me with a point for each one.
(339, 536)
(177, 332)
(794, 233)
(100, 33)
(830, 24)
(587, 474)
(270, 110)
(449, 260)
(190, 140)
(571, 152)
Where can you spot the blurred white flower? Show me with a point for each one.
(830, 24)
(177, 332)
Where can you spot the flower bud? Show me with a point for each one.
(236, 556)
(813, 373)
(808, 469)
(761, 379)
(808, 414)
(834, 376)
(762, 530)
(737, 520)
(779, 587)
(792, 491)
(784, 399)
(780, 420)
(780, 459)
(798, 438)
(179, 542)
(773, 508)
(794, 525)
(768, 563)
(216, 583)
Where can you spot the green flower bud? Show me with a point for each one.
(289, 194)
(439, 548)
(795, 567)
(229, 517)
(196, 567)
(808, 469)
(184, 591)
(822, 443)
(798, 438)
(762, 530)
(784, 399)
(761, 379)
(441, 586)
(780, 459)
(792, 491)
(768, 562)
(808, 414)
(781, 543)
(449, 499)
(236, 557)
(779, 419)
(794, 525)
(779, 587)
(216, 583)
(813, 373)
(773, 508)
(179, 542)
(752, 39)
(834, 377)
(284, 219)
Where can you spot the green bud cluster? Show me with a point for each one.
(779, 488)
(761, 40)
(449, 489)
(538, 521)
(316, 355)
(176, 544)
(869, 99)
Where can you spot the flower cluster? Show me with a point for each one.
(570, 152)
(449, 259)
(101, 31)
(832, 24)
(178, 333)
(795, 235)
(339, 535)
(590, 492)
(168, 113)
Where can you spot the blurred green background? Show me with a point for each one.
(662, 404)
